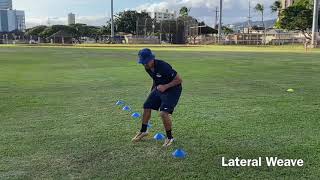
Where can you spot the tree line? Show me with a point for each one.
(297, 17)
(131, 22)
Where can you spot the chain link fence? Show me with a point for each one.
(182, 31)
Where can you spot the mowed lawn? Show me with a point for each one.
(58, 118)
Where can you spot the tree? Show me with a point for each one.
(36, 31)
(94, 32)
(105, 30)
(202, 23)
(227, 30)
(127, 21)
(276, 7)
(295, 18)
(17, 34)
(47, 32)
(260, 9)
(305, 3)
(184, 11)
(79, 30)
(208, 30)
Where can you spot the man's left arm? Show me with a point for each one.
(175, 82)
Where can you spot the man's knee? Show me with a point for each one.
(147, 111)
(164, 115)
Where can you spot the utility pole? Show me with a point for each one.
(176, 40)
(112, 23)
(145, 27)
(160, 31)
(220, 22)
(249, 17)
(315, 30)
(137, 27)
(249, 21)
(216, 20)
(169, 33)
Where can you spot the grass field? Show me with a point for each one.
(58, 118)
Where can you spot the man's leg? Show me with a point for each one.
(153, 102)
(143, 131)
(169, 101)
(145, 119)
(167, 122)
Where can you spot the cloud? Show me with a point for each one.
(90, 20)
(233, 10)
(92, 12)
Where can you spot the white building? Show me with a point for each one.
(71, 18)
(11, 20)
(6, 4)
(161, 16)
(286, 3)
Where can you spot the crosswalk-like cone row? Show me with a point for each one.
(179, 153)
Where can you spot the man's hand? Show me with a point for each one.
(176, 81)
(162, 88)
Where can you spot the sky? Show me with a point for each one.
(96, 12)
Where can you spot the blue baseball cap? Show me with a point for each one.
(145, 55)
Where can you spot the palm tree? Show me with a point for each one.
(260, 8)
(184, 11)
(276, 7)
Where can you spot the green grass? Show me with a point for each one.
(58, 118)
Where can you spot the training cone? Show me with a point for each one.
(120, 103)
(135, 115)
(159, 136)
(126, 108)
(179, 153)
(290, 90)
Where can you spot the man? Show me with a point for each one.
(164, 96)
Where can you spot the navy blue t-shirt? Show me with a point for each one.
(163, 73)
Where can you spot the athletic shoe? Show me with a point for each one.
(168, 142)
(139, 136)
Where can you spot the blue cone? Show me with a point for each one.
(120, 103)
(135, 115)
(159, 136)
(179, 153)
(126, 108)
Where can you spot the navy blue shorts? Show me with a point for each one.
(166, 101)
